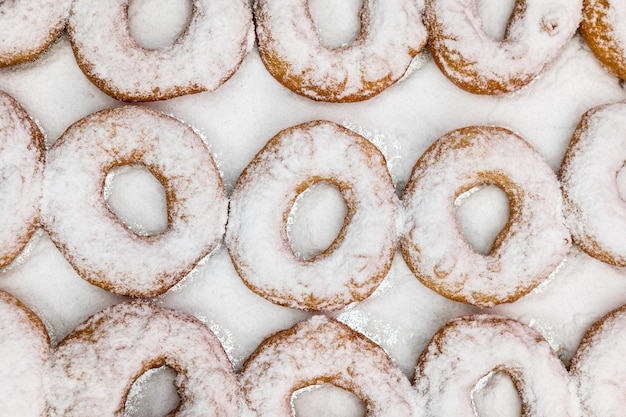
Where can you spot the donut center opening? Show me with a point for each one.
(326, 400)
(495, 15)
(621, 182)
(481, 213)
(137, 198)
(337, 22)
(153, 394)
(495, 396)
(315, 220)
(155, 24)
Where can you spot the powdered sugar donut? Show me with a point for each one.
(529, 248)
(28, 28)
(603, 28)
(536, 33)
(324, 351)
(391, 34)
(24, 350)
(598, 366)
(101, 248)
(469, 349)
(359, 258)
(92, 370)
(205, 55)
(21, 172)
(595, 212)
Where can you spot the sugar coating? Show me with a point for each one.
(475, 61)
(598, 367)
(530, 247)
(468, 348)
(21, 175)
(28, 27)
(24, 349)
(97, 244)
(392, 33)
(91, 371)
(603, 28)
(219, 35)
(321, 350)
(595, 212)
(359, 258)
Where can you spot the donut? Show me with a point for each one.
(594, 210)
(209, 51)
(598, 369)
(91, 237)
(536, 33)
(91, 371)
(391, 35)
(24, 350)
(530, 247)
(322, 351)
(603, 29)
(351, 268)
(21, 171)
(468, 349)
(29, 27)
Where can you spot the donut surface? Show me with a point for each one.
(92, 370)
(208, 52)
(603, 29)
(529, 248)
(536, 33)
(468, 349)
(595, 212)
(29, 27)
(24, 350)
(598, 368)
(319, 351)
(391, 35)
(21, 168)
(359, 258)
(98, 245)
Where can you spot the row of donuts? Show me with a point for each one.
(92, 370)
(393, 32)
(107, 253)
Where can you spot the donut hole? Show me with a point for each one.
(137, 198)
(495, 15)
(621, 182)
(155, 24)
(495, 395)
(153, 394)
(315, 220)
(481, 213)
(326, 400)
(337, 22)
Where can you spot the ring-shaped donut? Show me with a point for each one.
(595, 212)
(320, 351)
(598, 369)
(21, 172)
(603, 29)
(208, 52)
(536, 33)
(91, 371)
(468, 349)
(359, 258)
(24, 350)
(95, 242)
(392, 34)
(531, 245)
(27, 28)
